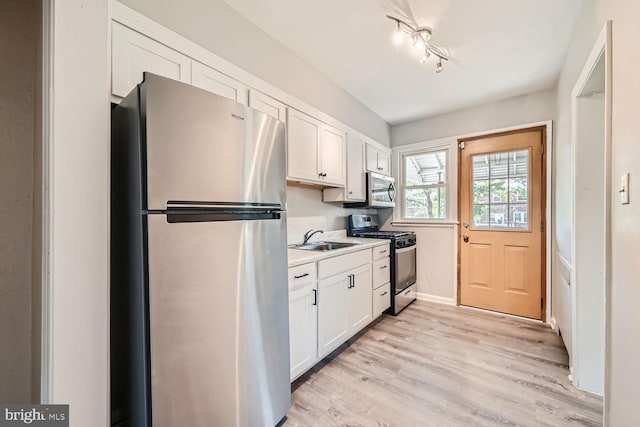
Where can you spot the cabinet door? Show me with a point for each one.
(384, 163)
(355, 169)
(261, 102)
(360, 299)
(132, 54)
(372, 159)
(214, 81)
(333, 155)
(303, 144)
(303, 329)
(333, 314)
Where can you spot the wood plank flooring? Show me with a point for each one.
(438, 365)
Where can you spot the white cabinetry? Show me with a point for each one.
(315, 151)
(303, 318)
(214, 81)
(378, 160)
(345, 304)
(360, 313)
(333, 314)
(356, 187)
(133, 53)
(381, 283)
(268, 105)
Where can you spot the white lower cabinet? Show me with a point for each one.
(303, 326)
(323, 314)
(381, 283)
(359, 297)
(381, 299)
(333, 314)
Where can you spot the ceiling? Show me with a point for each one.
(499, 48)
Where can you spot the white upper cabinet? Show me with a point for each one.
(303, 146)
(356, 186)
(315, 152)
(213, 81)
(378, 160)
(261, 102)
(355, 190)
(333, 155)
(133, 53)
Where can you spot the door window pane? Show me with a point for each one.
(501, 190)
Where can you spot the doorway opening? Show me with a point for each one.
(590, 258)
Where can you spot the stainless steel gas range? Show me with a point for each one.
(403, 258)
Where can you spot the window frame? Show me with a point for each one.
(449, 147)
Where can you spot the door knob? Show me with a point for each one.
(465, 237)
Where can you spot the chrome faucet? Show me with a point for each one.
(309, 234)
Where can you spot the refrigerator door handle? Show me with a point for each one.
(222, 215)
(185, 204)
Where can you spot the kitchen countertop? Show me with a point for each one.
(300, 256)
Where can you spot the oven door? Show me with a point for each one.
(405, 268)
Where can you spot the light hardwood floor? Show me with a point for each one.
(437, 365)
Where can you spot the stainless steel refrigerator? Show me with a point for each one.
(199, 298)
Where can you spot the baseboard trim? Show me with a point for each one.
(435, 298)
(554, 324)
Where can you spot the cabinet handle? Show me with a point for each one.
(383, 267)
(301, 276)
(379, 168)
(383, 252)
(315, 297)
(383, 294)
(353, 280)
(350, 192)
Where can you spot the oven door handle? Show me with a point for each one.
(407, 249)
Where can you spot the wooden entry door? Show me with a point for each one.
(502, 222)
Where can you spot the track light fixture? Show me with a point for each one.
(420, 39)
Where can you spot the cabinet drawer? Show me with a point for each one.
(302, 275)
(332, 266)
(381, 273)
(381, 252)
(381, 299)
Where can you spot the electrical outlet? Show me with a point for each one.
(624, 189)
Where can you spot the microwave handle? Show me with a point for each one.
(391, 191)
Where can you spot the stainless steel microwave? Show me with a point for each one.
(381, 192)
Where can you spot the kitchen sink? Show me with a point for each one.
(324, 246)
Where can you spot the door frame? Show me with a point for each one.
(602, 49)
(547, 203)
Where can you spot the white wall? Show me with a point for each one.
(622, 387)
(624, 369)
(519, 110)
(219, 28)
(77, 297)
(307, 202)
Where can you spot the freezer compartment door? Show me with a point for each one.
(203, 147)
(218, 317)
